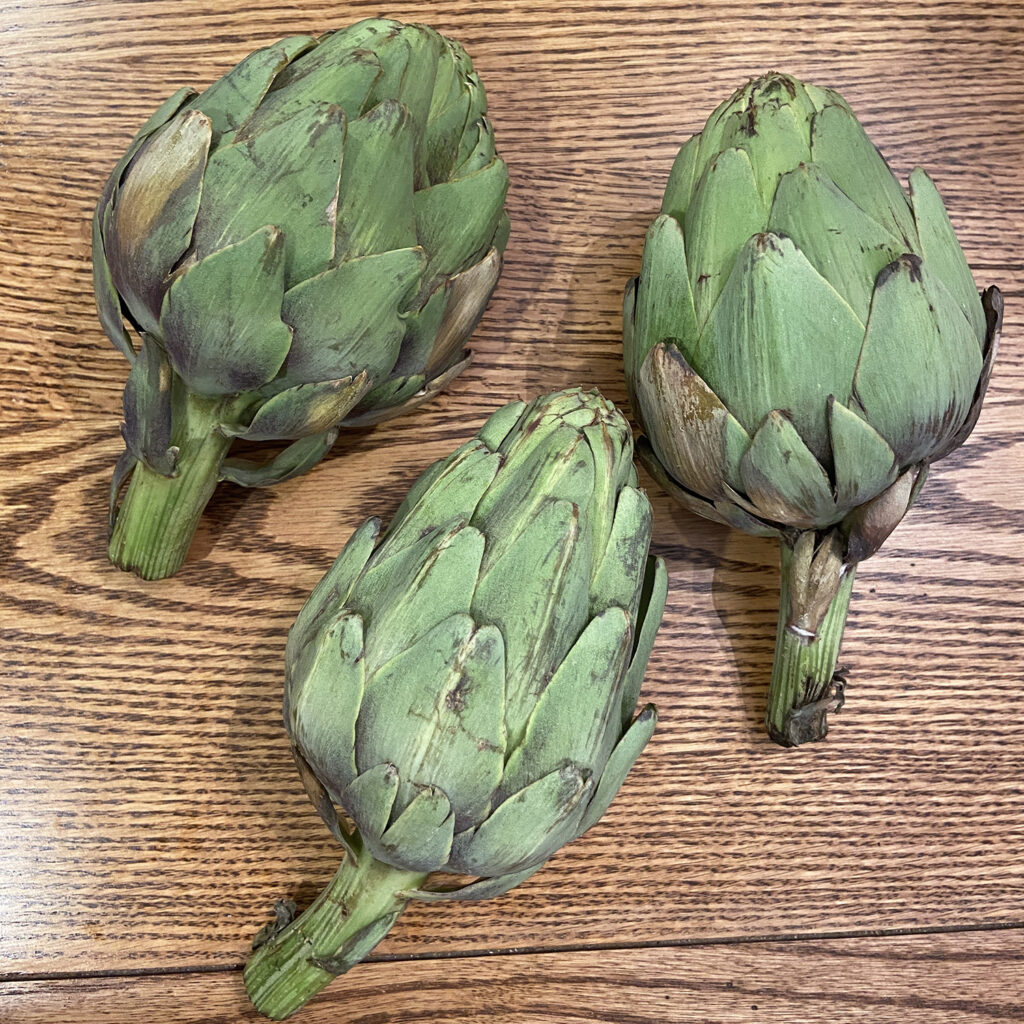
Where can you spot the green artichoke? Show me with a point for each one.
(304, 246)
(803, 341)
(464, 686)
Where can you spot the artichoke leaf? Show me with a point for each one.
(621, 760)
(500, 425)
(679, 190)
(846, 246)
(435, 708)
(725, 211)
(992, 304)
(231, 100)
(941, 249)
(151, 224)
(348, 318)
(323, 702)
(369, 799)
(868, 526)
(221, 320)
(784, 480)
(576, 718)
(917, 334)
(298, 458)
(842, 149)
(333, 589)
(108, 302)
(421, 837)
(452, 217)
(455, 484)
(147, 410)
(620, 571)
(239, 197)
(648, 619)
(302, 410)
(520, 829)
(408, 594)
(343, 88)
(864, 463)
(664, 303)
(781, 337)
(481, 889)
(357, 948)
(375, 208)
(536, 596)
(696, 437)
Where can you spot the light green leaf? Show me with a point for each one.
(286, 176)
(331, 593)
(221, 318)
(783, 478)
(323, 694)
(369, 799)
(846, 246)
(375, 208)
(232, 99)
(576, 719)
(726, 210)
(435, 710)
(421, 837)
(520, 831)
(406, 595)
(941, 250)
(841, 147)
(622, 759)
(456, 220)
(864, 463)
(536, 594)
(620, 570)
(679, 189)
(780, 338)
(920, 362)
(664, 302)
(349, 318)
(647, 620)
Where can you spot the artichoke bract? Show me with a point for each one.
(464, 686)
(305, 246)
(803, 341)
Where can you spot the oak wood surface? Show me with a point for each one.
(921, 979)
(149, 811)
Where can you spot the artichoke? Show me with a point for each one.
(304, 246)
(464, 686)
(803, 341)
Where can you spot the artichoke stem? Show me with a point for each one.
(338, 930)
(804, 685)
(159, 515)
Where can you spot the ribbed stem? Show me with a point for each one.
(803, 688)
(335, 933)
(159, 514)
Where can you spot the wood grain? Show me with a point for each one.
(150, 813)
(924, 979)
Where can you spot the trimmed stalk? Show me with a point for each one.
(159, 514)
(804, 687)
(335, 933)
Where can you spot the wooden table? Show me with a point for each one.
(150, 811)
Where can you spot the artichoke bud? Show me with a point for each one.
(464, 685)
(318, 232)
(805, 336)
